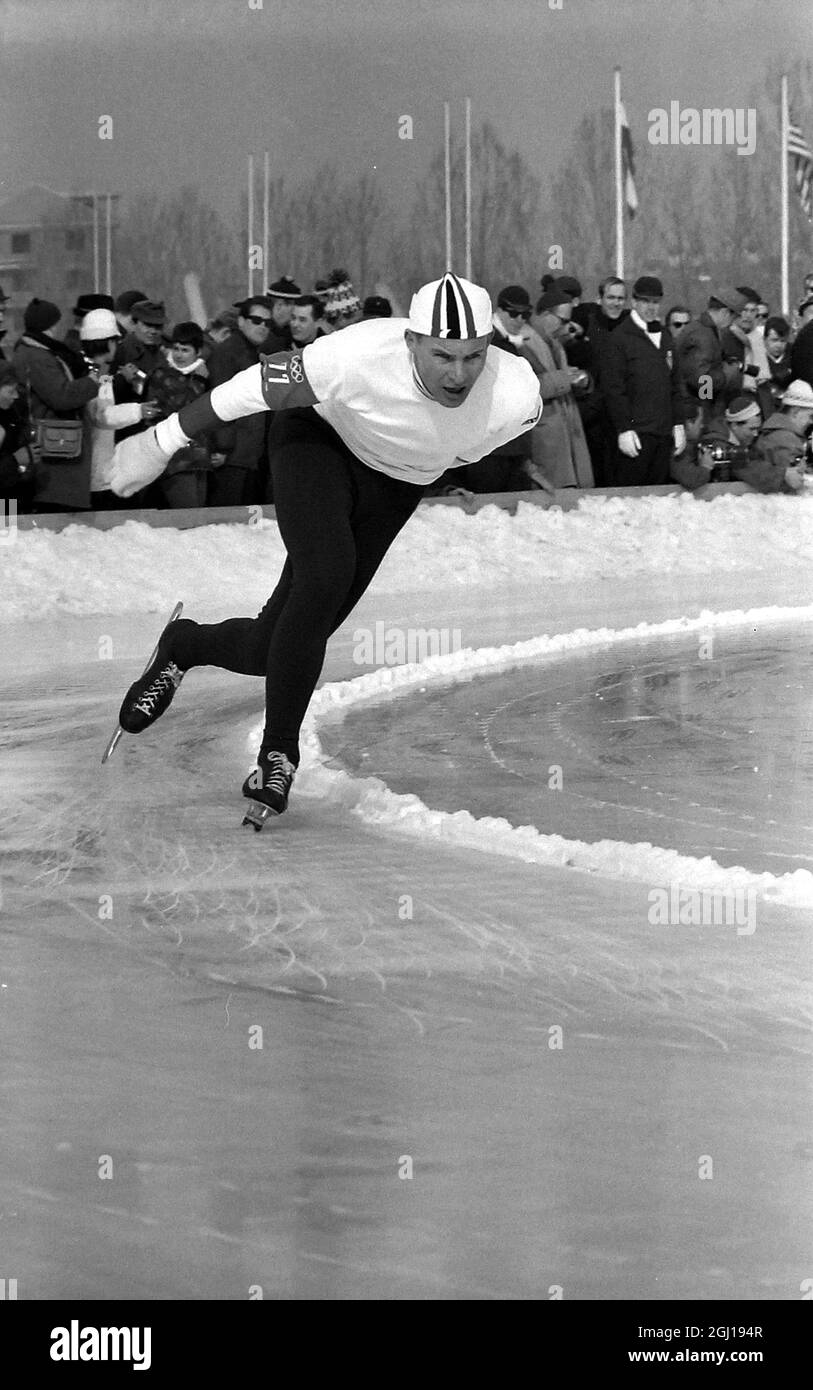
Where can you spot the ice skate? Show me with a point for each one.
(153, 692)
(267, 788)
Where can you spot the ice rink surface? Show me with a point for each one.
(409, 993)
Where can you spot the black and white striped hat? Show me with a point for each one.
(451, 308)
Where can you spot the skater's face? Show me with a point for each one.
(8, 395)
(447, 368)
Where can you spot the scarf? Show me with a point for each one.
(74, 361)
(517, 340)
(186, 371)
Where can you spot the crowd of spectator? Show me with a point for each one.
(630, 398)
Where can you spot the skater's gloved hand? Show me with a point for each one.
(142, 458)
(629, 444)
(679, 436)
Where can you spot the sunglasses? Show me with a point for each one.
(760, 316)
(517, 313)
(255, 318)
(680, 323)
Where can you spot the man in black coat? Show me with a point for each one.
(4, 298)
(598, 321)
(642, 391)
(801, 357)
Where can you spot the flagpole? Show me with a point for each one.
(95, 243)
(447, 181)
(783, 194)
(250, 223)
(266, 276)
(108, 273)
(619, 183)
(468, 188)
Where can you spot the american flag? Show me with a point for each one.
(627, 163)
(802, 155)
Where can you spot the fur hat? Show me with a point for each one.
(86, 302)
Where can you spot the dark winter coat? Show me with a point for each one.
(18, 476)
(640, 382)
(55, 393)
(778, 447)
(243, 441)
(702, 365)
(598, 329)
(769, 392)
(172, 390)
(801, 356)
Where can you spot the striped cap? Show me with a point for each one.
(451, 308)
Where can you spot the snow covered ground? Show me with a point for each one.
(410, 986)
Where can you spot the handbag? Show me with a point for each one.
(60, 439)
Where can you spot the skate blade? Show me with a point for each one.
(113, 744)
(257, 814)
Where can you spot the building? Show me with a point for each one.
(55, 246)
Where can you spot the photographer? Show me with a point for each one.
(783, 448)
(727, 447)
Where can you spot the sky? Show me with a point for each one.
(194, 86)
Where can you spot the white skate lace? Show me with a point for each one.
(279, 773)
(170, 676)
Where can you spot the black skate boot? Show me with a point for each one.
(154, 691)
(268, 788)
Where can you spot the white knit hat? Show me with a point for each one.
(451, 308)
(799, 394)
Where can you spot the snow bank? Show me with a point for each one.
(139, 568)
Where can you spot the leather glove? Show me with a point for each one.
(629, 444)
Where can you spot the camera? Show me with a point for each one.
(725, 457)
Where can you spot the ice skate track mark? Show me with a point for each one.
(373, 802)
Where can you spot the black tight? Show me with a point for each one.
(337, 518)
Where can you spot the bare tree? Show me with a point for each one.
(506, 234)
(161, 239)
